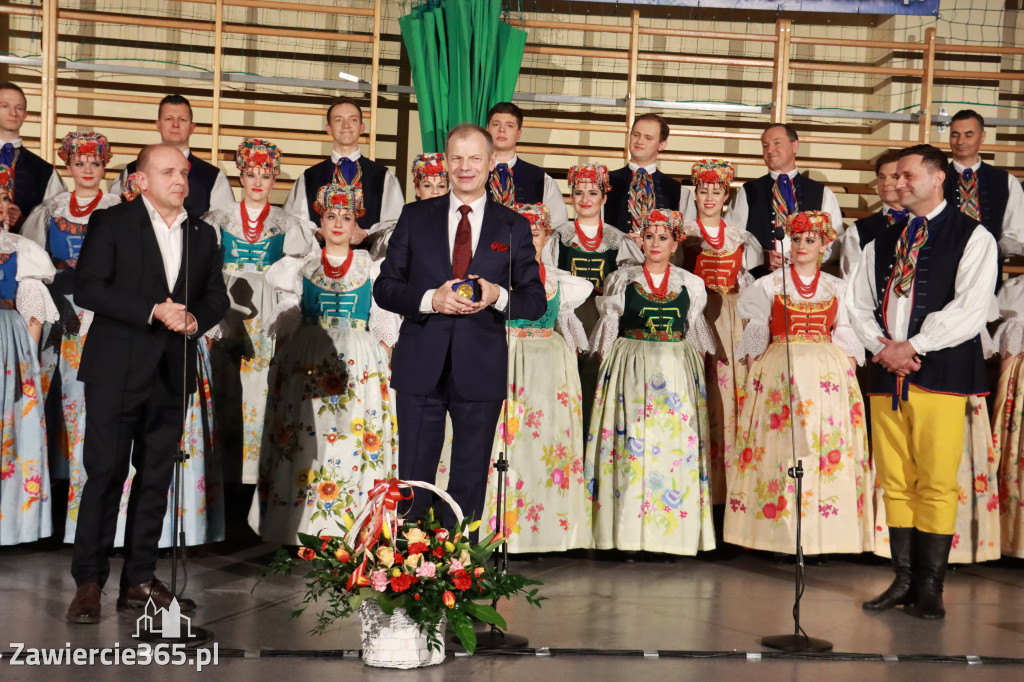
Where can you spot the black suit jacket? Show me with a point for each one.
(419, 259)
(120, 277)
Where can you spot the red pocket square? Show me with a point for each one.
(498, 246)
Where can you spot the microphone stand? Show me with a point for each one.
(191, 636)
(495, 639)
(799, 641)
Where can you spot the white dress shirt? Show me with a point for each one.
(739, 211)
(476, 221)
(851, 250)
(960, 320)
(687, 205)
(54, 186)
(221, 195)
(1012, 240)
(552, 197)
(390, 205)
(169, 239)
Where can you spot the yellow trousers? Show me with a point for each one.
(917, 450)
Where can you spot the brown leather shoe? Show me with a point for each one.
(85, 607)
(136, 596)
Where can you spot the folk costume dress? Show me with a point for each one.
(546, 500)
(58, 225)
(24, 473)
(242, 354)
(1008, 436)
(827, 415)
(727, 254)
(646, 462)
(331, 428)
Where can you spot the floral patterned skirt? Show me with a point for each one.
(831, 440)
(725, 379)
(24, 474)
(546, 502)
(646, 462)
(59, 357)
(976, 537)
(241, 365)
(330, 432)
(1009, 443)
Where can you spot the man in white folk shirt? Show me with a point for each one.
(918, 300)
(346, 166)
(985, 193)
(763, 203)
(208, 186)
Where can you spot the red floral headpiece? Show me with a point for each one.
(338, 197)
(536, 213)
(76, 144)
(428, 165)
(819, 222)
(673, 219)
(255, 153)
(591, 172)
(712, 172)
(7, 180)
(131, 187)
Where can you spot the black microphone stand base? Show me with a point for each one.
(792, 644)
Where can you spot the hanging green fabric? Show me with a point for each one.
(464, 59)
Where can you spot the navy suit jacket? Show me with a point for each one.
(120, 277)
(418, 259)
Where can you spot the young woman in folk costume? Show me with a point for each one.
(1009, 415)
(827, 409)
(592, 249)
(726, 255)
(646, 459)
(24, 306)
(546, 507)
(254, 235)
(330, 423)
(59, 226)
(430, 175)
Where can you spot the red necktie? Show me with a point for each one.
(463, 251)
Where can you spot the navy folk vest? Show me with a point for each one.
(870, 227)
(373, 188)
(31, 175)
(201, 178)
(959, 370)
(616, 211)
(993, 193)
(761, 215)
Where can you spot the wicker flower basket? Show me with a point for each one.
(395, 641)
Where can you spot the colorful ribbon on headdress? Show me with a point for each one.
(712, 172)
(536, 214)
(591, 172)
(429, 165)
(254, 153)
(339, 196)
(819, 222)
(672, 219)
(7, 180)
(78, 144)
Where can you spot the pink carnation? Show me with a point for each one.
(456, 566)
(379, 580)
(426, 570)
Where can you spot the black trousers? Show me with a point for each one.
(421, 421)
(143, 428)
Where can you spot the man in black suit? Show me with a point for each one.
(208, 186)
(451, 353)
(152, 277)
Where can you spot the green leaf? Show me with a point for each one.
(463, 627)
(485, 613)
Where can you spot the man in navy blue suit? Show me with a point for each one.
(451, 353)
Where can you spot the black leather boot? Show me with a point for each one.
(898, 593)
(931, 555)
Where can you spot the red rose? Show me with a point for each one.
(834, 457)
(438, 551)
(401, 583)
(769, 511)
(747, 455)
(461, 580)
(417, 548)
(709, 177)
(800, 223)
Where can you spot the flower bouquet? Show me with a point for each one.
(416, 570)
